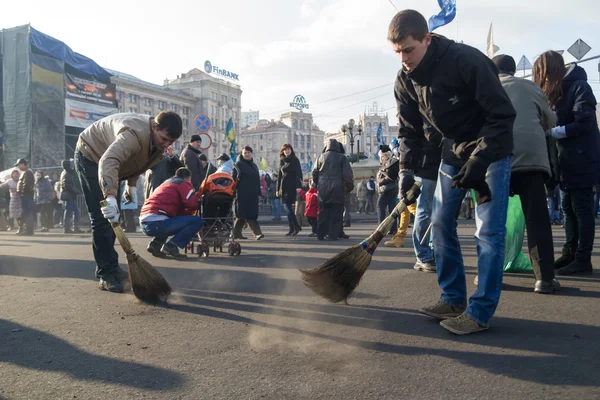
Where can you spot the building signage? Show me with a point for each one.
(209, 68)
(299, 103)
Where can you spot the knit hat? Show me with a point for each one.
(505, 64)
(203, 157)
(195, 138)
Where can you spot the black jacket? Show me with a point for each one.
(289, 179)
(387, 178)
(332, 174)
(69, 186)
(432, 154)
(190, 157)
(578, 153)
(456, 89)
(247, 190)
(162, 171)
(26, 185)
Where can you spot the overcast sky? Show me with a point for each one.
(322, 49)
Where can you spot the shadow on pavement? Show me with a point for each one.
(34, 349)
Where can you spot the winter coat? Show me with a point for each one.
(121, 145)
(387, 178)
(361, 191)
(43, 191)
(162, 171)
(312, 203)
(432, 154)
(456, 89)
(248, 189)
(173, 198)
(289, 179)
(332, 174)
(271, 187)
(371, 188)
(26, 185)
(578, 153)
(190, 157)
(69, 186)
(15, 210)
(534, 118)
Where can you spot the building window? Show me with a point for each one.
(174, 107)
(212, 109)
(119, 95)
(148, 112)
(185, 110)
(236, 126)
(187, 123)
(132, 98)
(295, 124)
(161, 105)
(213, 96)
(234, 101)
(224, 99)
(133, 109)
(148, 102)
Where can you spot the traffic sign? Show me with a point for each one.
(524, 64)
(206, 138)
(579, 49)
(203, 122)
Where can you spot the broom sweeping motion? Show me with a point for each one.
(337, 277)
(146, 282)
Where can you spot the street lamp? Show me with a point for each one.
(347, 129)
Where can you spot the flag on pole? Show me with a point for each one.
(263, 164)
(380, 134)
(233, 151)
(229, 131)
(310, 163)
(491, 47)
(445, 16)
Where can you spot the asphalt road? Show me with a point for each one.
(246, 328)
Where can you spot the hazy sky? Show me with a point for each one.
(322, 49)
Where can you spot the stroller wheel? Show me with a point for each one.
(203, 250)
(238, 249)
(231, 249)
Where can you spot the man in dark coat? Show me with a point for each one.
(332, 174)
(69, 190)
(247, 177)
(162, 171)
(207, 168)
(26, 189)
(190, 157)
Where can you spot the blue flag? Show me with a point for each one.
(233, 151)
(445, 16)
(380, 134)
(310, 164)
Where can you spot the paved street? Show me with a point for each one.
(246, 328)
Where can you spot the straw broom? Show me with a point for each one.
(337, 277)
(146, 282)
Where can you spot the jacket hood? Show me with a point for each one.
(574, 73)
(333, 145)
(66, 164)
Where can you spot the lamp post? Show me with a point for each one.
(348, 131)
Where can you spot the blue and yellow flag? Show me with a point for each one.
(229, 131)
(445, 16)
(233, 151)
(263, 164)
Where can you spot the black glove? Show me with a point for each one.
(472, 176)
(406, 180)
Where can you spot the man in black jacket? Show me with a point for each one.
(456, 89)
(162, 171)
(190, 157)
(69, 190)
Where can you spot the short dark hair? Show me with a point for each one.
(171, 121)
(248, 148)
(407, 23)
(183, 173)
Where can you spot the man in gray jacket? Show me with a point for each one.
(530, 168)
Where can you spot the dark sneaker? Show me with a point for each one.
(312, 235)
(567, 258)
(577, 268)
(425, 266)
(111, 283)
(320, 237)
(172, 251)
(343, 236)
(442, 310)
(462, 325)
(546, 287)
(260, 236)
(154, 249)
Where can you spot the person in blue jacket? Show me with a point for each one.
(577, 140)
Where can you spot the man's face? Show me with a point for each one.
(161, 138)
(22, 167)
(247, 155)
(411, 52)
(169, 151)
(196, 144)
(204, 163)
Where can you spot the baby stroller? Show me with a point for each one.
(216, 195)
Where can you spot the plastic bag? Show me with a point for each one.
(514, 259)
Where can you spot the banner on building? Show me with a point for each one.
(81, 114)
(90, 90)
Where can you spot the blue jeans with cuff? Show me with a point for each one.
(183, 229)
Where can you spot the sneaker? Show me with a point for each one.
(111, 283)
(546, 287)
(173, 251)
(476, 280)
(577, 268)
(428, 266)
(396, 241)
(442, 310)
(154, 249)
(462, 325)
(312, 234)
(260, 236)
(565, 259)
(343, 236)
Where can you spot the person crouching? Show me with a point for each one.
(168, 212)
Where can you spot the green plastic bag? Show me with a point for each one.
(514, 259)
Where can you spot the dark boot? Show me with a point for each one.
(111, 283)
(20, 229)
(297, 228)
(154, 248)
(567, 257)
(292, 228)
(173, 251)
(577, 268)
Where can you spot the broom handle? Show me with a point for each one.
(120, 234)
(386, 224)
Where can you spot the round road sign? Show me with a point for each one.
(203, 122)
(205, 139)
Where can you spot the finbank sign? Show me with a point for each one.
(209, 68)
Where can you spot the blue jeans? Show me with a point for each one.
(490, 222)
(422, 220)
(72, 214)
(183, 229)
(387, 201)
(290, 212)
(103, 236)
(276, 205)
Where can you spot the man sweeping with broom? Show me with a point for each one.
(456, 89)
(119, 147)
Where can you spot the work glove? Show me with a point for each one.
(558, 132)
(406, 180)
(130, 194)
(111, 209)
(472, 176)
